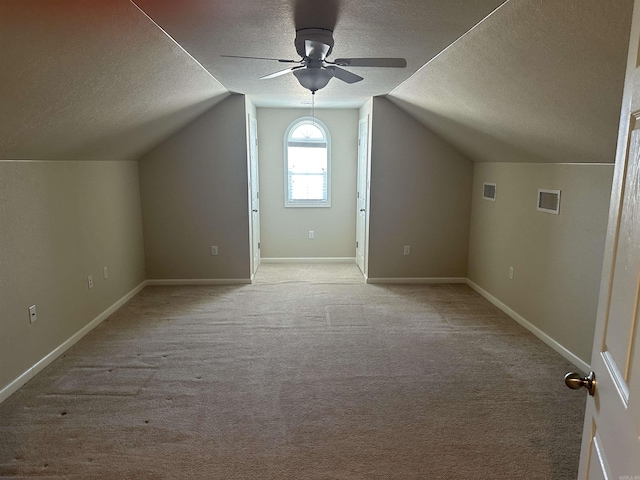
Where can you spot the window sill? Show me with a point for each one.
(307, 205)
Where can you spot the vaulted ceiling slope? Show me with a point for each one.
(92, 80)
(537, 81)
(415, 29)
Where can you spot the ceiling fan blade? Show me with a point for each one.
(345, 75)
(316, 50)
(280, 72)
(371, 62)
(262, 58)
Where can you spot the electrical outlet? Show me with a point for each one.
(90, 281)
(33, 316)
(407, 250)
(312, 234)
(214, 250)
(511, 273)
(105, 273)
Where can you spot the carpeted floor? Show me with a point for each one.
(337, 273)
(312, 379)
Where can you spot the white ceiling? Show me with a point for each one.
(92, 81)
(414, 29)
(536, 80)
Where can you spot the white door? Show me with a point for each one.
(361, 222)
(255, 194)
(611, 437)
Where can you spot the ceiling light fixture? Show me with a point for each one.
(313, 78)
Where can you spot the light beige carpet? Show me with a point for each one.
(303, 380)
(277, 273)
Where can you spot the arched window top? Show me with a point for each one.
(307, 131)
(307, 164)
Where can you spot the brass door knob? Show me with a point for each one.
(575, 381)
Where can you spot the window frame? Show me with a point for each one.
(306, 120)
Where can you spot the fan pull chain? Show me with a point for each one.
(313, 108)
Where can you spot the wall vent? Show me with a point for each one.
(489, 191)
(549, 201)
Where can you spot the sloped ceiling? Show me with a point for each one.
(537, 81)
(415, 29)
(92, 80)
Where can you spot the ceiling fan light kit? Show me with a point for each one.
(314, 71)
(313, 78)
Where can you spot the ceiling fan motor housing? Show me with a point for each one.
(321, 35)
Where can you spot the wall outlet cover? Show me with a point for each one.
(33, 316)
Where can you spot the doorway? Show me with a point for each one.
(318, 227)
(254, 187)
(362, 195)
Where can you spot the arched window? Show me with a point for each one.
(307, 164)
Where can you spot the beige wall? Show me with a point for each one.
(285, 231)
(251, 108)
(62, 221)
(194, 189)
(366, 109)
(420, 196)
(557, 259)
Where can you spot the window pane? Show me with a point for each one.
(307, 187)
(306, 169)
(307, 160)
(307, 131)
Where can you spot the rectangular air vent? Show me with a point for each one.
(489, 191)
(549, 201)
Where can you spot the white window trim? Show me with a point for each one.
(287, 136)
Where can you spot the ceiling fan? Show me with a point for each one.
(313, 70)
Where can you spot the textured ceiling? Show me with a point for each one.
(92, 80)
(415, 29)
(537, 81)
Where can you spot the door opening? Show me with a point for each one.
(254, 187)
(362, 214)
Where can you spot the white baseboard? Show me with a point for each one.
(309, 260)
(14, 386)
(7, 391)
(198, 281)
(570, 356)
(44, 362)
(416, 280)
